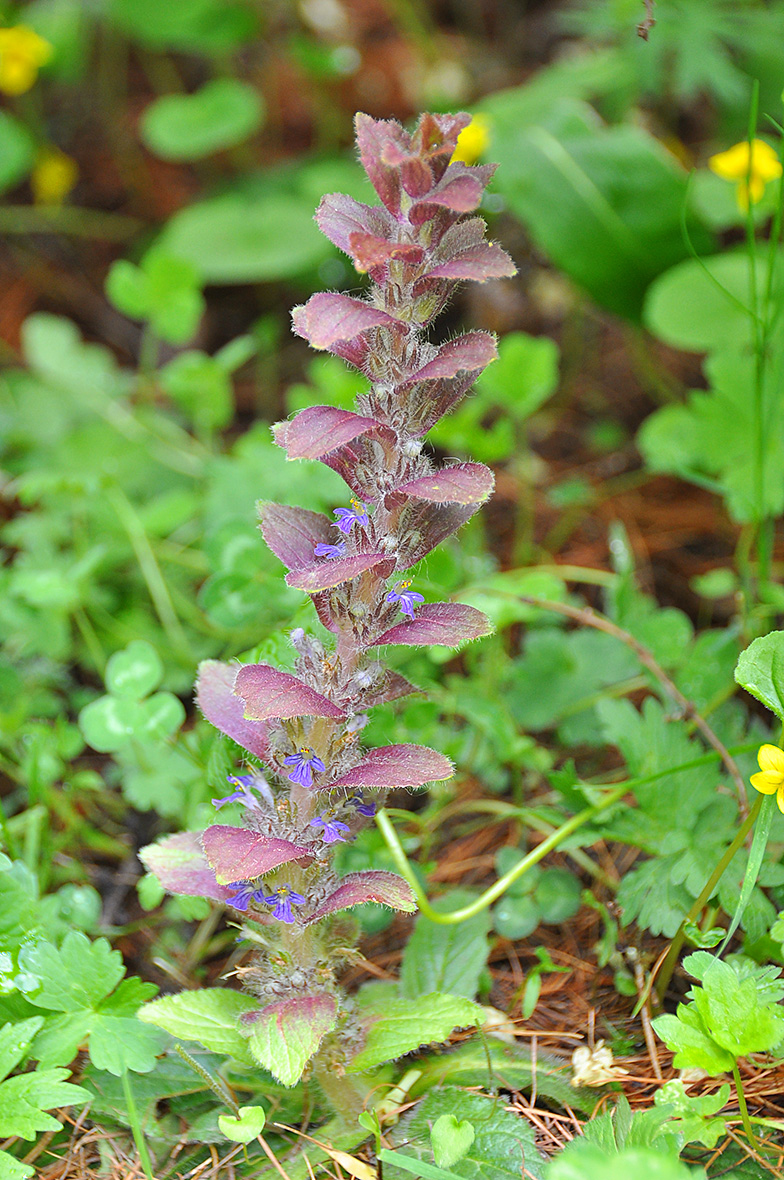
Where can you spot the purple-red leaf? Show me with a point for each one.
(447, 623)
(369, 250)
(325, 574)
(339, 216)
(478, 263)
(374, 885)
(268, 692)
(470, 353)
(459, 191)
(327, 319)
(180, 865)
(238, 854)
(293, 533)
(391, 687)
(374, 138)
(320, 429)
(465, 483)
(215, 697)
(425, 525)
(396, 766)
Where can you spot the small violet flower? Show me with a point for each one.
(246, 892)
(244, 794)
(407, 598)
(304, 763)
(363, 808)
(770, 779)
(332, 829)
(348, 517)
(283, 898)
(331, 551)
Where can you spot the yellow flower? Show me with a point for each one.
(473, 141)
(751, 170)
(22, 53)
(53, 176)
(771, 774)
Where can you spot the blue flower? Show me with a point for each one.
(348, 517)
(332, 829)
(244, 795)
(366, 809)
(283, 898)
(331, 551)
(246, 892)
(304, 763)
(407, 598)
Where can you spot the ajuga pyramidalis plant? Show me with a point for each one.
(308, 783)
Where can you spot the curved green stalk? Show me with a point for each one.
(503, 883)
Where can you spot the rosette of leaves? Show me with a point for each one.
(319, 785)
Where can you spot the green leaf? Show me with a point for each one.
(17, 151)
(693, 1118)
(739, 1018)
(581, 1160)
(451, 1139)
(164, 289)
(604, 203)
(496, 1150)
(109, 723)
(408, 1024)
(210, 1016)
(516, 917)
(201, 386)
(78, 975)
(558, 895)
(246, 1127)
(134, 672)
(441, 958)
(691, 1043)
(190, 26)
(160, 716)
(760, 671)
(190, 126)
(24, 1099)
(523, 377)
(753, 866)
(285, 1035)
(235, 238)
(699, 306)
(12, 1168)
(15, 1041)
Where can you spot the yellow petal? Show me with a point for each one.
(732, 164)
(764, 162)
(765, 783)
(473, 141)
(771, 758)
(780, 799)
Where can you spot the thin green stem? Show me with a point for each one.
(68, 219)
(148, 564)
(136, 1130)
(503, 883)
(744, 1110)
(668, 966)
(219, 1089)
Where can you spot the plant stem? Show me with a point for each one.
(136, 1130)
(502, 884)
(668, 966)
(341, 1093)
(744, 1110)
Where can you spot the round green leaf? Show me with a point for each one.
(201, 386)
(558, 895)
(17, 151)
(109, 723)
(246, 239)
(516, 917)
(699, 306)
(161, 716)
(247, 1127)
(190, 126)
(451, 1139)
(134, 672)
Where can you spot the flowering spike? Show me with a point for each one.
(415, 246)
